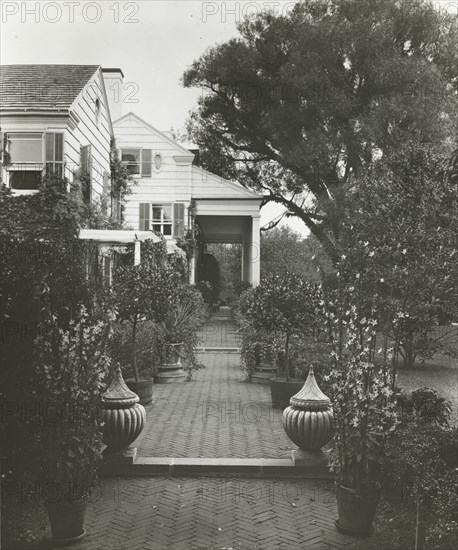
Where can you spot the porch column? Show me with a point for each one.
(192, 271)
(137, 252)
(246, 253)
(255, 252)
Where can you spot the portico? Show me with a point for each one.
(233, 221)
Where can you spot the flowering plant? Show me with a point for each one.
(71, 364)
(363, 383)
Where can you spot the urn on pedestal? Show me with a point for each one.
(123, 416)
(308, 419)
(171, 370)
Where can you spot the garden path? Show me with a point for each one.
(216, 415)
(239, 514)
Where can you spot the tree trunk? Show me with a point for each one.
(287, 358)
(408, 354)
(134, 350)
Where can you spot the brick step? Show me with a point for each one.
(315, 468)
(208, 349)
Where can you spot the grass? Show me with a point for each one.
(440, 374)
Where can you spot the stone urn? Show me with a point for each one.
(171, 370)
(308, 419)
(123, 416)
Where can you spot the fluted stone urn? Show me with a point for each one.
(124, 417)
(308, 419)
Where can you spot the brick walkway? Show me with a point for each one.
(162, 513)
(220, 333)
(217, 415)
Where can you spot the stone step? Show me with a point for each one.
(314, 467)
(208, 349)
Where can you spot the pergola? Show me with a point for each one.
(115, 237)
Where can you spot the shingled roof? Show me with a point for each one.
(42, 87)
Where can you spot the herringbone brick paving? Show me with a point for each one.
(164, 513)
(216, 415)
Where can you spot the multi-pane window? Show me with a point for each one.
(31, 152)
(138, 161)
(163, 218)
(54, 154)
(167, 219)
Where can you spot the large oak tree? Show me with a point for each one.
(299, 104)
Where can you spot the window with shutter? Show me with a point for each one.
(144, 219)
(146, 155)
(105, 183)
(163, 218)
(86, 173)
(178, 219)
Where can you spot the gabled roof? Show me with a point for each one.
(42, 87)
(164, 135)
(206, 185)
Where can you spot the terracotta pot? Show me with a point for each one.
(143, 388)
(67, 521)
(281, 391)
(123, 416)
(308, 419)
(356, 509)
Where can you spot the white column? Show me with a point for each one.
(255, 251)
(192, 270)
(246, 253)
(137, 252)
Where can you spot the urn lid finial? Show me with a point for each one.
(118, 395)
(310, 397)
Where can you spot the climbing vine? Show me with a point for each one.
(190, 240)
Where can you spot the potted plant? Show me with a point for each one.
(364, 415)
(132, 300)
(259, 354)
(179, 337)
(285, 306)
(71, 364)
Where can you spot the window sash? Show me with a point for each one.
(131, 159)
(26, 147)
(140, 162)
(29, 180)
(166, 218)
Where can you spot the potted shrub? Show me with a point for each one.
(364, 416)
(258, 354)
(146, 359)
(71, 364)
(131, 295)
(285, 306)
(179, 336)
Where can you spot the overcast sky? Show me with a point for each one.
(152, 41)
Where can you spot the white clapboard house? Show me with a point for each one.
(61, 115)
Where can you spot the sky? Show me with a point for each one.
(152, 41)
